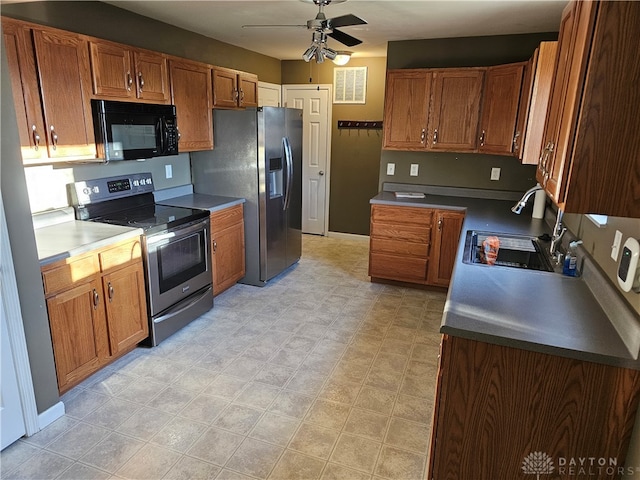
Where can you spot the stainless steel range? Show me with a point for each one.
(175, 246)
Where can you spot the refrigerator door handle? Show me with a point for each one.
(289, 165)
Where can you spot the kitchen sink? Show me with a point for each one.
(516, 251)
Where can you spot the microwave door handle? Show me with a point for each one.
(289, 165)
(160, 130)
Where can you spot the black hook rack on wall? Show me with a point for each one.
(360, 124)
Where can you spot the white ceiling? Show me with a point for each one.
(388, 20)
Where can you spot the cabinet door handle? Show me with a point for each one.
(129, 81)
(435, 136)
(140, 81)
(54, 137)
(482, 135)
(241, 95)
(236, 94)
(36, 137)
(440, 224)
(96, 299)
(178, 130)
(110, 288)
(423, 135)
(515, 141)
(215, 246)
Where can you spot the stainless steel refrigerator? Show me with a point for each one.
(257, 155)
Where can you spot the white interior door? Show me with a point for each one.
(314, 100)
(12, 425)
(269, 94)
(12, 422)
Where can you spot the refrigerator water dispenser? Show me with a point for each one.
(275, 177)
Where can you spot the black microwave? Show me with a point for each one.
(131, 131)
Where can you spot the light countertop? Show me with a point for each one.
(75, 237)
(213, 203)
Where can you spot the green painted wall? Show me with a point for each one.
(25, 259)
(112, 23)
(355, 154)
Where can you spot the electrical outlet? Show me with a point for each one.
(168, 171)
(495, 173)
(391, 168)
(413, 172)
(615, 248)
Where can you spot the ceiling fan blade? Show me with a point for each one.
(345, 21)
(344, 38)
(272, 26)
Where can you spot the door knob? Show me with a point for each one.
(321, 173)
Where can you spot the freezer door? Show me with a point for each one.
(293, 126)
(271, 129)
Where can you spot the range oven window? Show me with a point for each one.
(180, 260)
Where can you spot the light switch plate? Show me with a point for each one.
(414, 170)
(168, 171)
(615, 248)
(495, 173)
(391, 168)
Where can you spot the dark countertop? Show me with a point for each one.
(213, 203)
(539, 311)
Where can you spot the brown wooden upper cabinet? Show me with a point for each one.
(49, 71)
(428, 109)
(591, 146)
(534, 100)
(406, 109)
(124, 73)
(500, 100)
(191, 94)
(234, 89)
(455, 109)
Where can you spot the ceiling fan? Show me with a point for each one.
(324, 27)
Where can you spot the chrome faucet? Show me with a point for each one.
(558, 232)
(517, 208)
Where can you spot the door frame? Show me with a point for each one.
(263, 86)
(17, 340)
(329, 88)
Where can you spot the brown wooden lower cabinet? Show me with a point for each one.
(227, 247)
(503, 412)
(413, 244)
(97, 309)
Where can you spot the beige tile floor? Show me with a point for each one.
(321, 374)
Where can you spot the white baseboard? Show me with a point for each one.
(50, 415)
(348, 236)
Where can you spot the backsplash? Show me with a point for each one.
(47, 185)
(597, 241)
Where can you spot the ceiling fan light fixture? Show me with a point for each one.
(329, 53)
(310, 53)
(342, 57)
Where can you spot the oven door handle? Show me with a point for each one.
(177, 233)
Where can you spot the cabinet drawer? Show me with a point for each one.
(120, 255)
(399, 247)
(225, 218)
(66, 275)
(401, 232)
(404, 215)
(395, 267)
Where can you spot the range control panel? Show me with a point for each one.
(100, 189)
